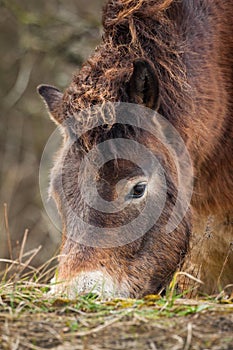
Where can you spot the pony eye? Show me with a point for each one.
(138, 190)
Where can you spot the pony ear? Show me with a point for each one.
(144, 84)
(53, 100)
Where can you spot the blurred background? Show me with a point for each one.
(40, 42)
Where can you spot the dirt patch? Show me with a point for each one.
(72, 328)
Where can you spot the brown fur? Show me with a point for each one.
(190, 45)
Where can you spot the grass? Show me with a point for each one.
(31, 318)
(26, 296)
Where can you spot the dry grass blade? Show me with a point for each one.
(27, 263)
(101, 327)
(21, 266)
(189, 276)
(225, 262)
(15, 262)
(174, 281)
(25, 236)
(189, 337)
(8, 231)
(44, 269)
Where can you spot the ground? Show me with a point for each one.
(32, 319)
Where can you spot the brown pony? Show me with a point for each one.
(174, 57)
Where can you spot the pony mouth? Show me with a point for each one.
(96, 282)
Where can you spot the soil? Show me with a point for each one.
(209, 329)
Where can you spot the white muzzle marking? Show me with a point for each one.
(90, 282)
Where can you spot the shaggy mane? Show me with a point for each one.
(133, 29)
